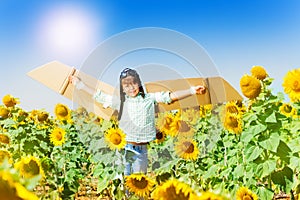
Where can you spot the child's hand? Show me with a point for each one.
(76, 82)
(200, 89)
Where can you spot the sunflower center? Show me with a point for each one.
(4, 139)
(159, 135)
(42, 117)
(172, 194)
(233, 122)
(141, 184)
(296, 86)
(232, 109)
(287, 108)
(62, 111)
(116, 138)
(247, 197)
(183, 126)
(188, 147)
(58, 136)
(167, 122)
(32, 168)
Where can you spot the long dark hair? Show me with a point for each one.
(129, 72)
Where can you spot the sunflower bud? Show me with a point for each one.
(251, 86)
(4, 113)
(9, 101)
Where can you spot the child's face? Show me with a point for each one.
(130, 86)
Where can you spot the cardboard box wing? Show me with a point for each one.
(218, 91)
(55, 75)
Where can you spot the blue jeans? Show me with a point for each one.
(136, 159)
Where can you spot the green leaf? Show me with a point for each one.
(265, 193)
(252, 131)
(211, 172)
(104, 180)
(294, 162)
(271, 143)
(226, 172)
(249, 117)
(239, 171)
(95, 145)
(283, 178)
(98, 170)
(266, 168)
(102, 184)
(294, 145)
(295, 127)
(271, 118)
(283, 151)
(252, 152)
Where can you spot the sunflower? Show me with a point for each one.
(24, 194)
(190, 115)
(210, 196)
(4, 139)
(291, 85)
(32, 115)
(42, 116)
(205, 110)
(139, 184)
(115, 138)
(245, 194)
(10, 101)
(173, 190)
(57, 136)
(164, 121)
(250, 86)
(186, 149)
(4, 113)
(29, 167)
(259, 72)
(288, 110)
(81, 111)
(94, 118)
(5, 155)
(160, 137)
(233, 123)
(232, 107)
(180, 127)
(62, 112)
(9, 189)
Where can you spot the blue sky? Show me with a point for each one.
(236, 34)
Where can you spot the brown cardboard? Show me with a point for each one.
(55, 76)
(217, 91)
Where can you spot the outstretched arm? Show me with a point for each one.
(80, 85)
(99, 96)
(181, 94)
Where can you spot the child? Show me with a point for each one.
(136, 114)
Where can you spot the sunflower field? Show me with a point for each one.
(241, 150)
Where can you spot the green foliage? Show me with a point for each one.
(264, 157)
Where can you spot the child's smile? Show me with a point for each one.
(130, 86)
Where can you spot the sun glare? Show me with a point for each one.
(68, 30)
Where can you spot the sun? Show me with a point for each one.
(68, 30)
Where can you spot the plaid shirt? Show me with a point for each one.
(138, 117)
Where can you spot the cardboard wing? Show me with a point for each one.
(55, 75)
(218, 91)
